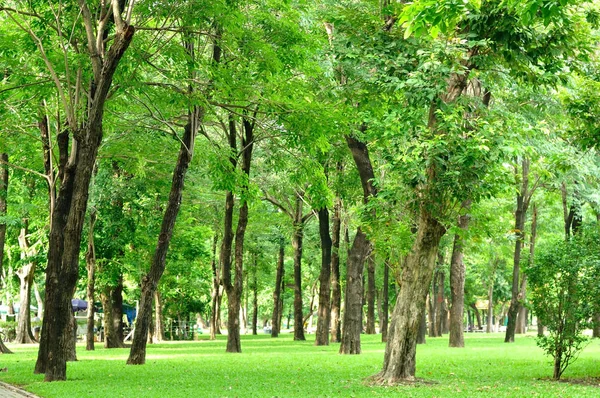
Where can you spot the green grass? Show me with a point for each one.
(284, 368)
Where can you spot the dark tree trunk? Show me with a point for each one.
(477, 316)
(457, 281)
(370, 329)
(297, 237)
(137, 355)
(3, 197)
(276, 320)
(159, 325)
(431, 314)
(235, 288)
(385, 302)
(324, 310)
(116, 300)
(90, 261)
(111, 337)
(336, 290)
(439, 302)
(255, 297)
(216, 292)
(596, 325)
(69, 215)
(400, 352)
(352, 323)
(25, 274)
(523, 198)
(421, 337)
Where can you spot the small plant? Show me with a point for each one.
(563, 292)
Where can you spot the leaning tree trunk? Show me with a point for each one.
(336, 290)
(457, 281)
(90, 260)
(361, 247)
(25, 274)
(385, 301)
(137, 355)
(400, 352)
(69, 214)
(276, 320)
(370, 329)
(324, 310)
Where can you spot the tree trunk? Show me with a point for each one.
(324, 310)
(370, 329)
(111, 337)
(159, 327)
(439, 302)
(276, 320)
(596, 325)
(477, 316)
(336, 290)
(523, 198)
(431, 312)
(90, 261)
(255, 297)
(216, 291)
(361, 247)
(297, 236)
(457, 281)
(137, 355)
(400, 352)
(69, 215)
(117, 310)
(3, 197)
(25, 274)
(385, 302)
(490, 314)
(421, 337)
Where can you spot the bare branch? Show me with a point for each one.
(91, 40)
(277, 204)
(25, 169)
(117, 15)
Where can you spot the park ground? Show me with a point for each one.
(284, 368)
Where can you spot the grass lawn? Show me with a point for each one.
(280, 367)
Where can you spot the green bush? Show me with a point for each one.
(563, 292)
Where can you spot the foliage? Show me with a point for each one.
(564, 290)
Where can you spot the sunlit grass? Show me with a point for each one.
(284, 368)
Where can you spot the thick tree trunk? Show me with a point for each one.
(421, 336)
(117, 310)
(400, 352)
(90, 261)
(137, 355)
(336, 290)
(385, 302)
(159, 325)
(69, 215)
(297, 237)
(111, 337)
(276, 320)
(361, 247)
(523, 198)
(370, 329)
(25, 274)
(324, 310)
(457, 281)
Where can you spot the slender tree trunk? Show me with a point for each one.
(90, 261)
(255, 297)
(3, 197)
(159, 325)
(297, 245)
(111, 337)
(385, 302)
(457, 281)
(439, 302)
(137, 355)
(324, 310)
(276, 320)
(596, 326)
(400, 353)
(216, 290)
(25, 274)
(69, 214)
(370, 329)
(361, 247)
(431, 312)
(422, 333)
(477, 316)
(490, 314)
(117, 311)
(336, 290)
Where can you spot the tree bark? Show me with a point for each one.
(159, 325)
(3, 200)
(439, 302)
(457, 281)
(276, 320)
(216, 291)
(137, 355)
(324, 310)
(421, 337)
(90, 261)
(255, 297)
(385, 302)
(25, 274)
(336, 291)
(116, 301)
(400, 353)
(361, 247)
(111, 337)
(297, 237)
(370, 329)
(69, 215)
